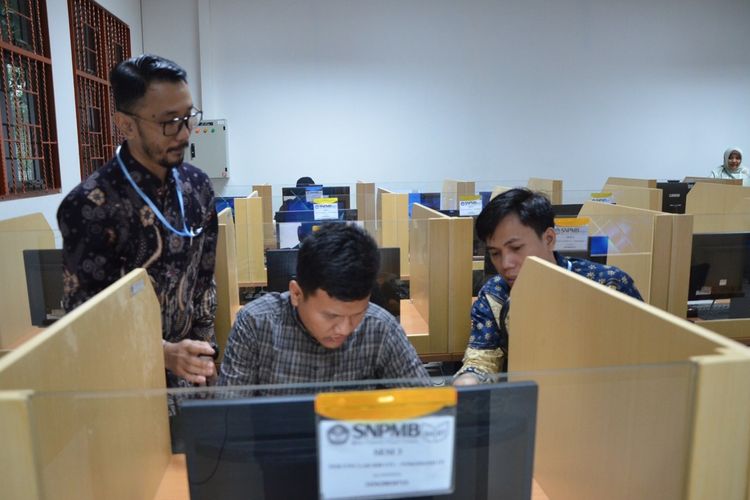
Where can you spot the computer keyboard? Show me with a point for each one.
(713, 310)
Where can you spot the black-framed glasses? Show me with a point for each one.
(172, 127)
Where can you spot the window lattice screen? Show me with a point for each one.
(30, 163)
(100, 42)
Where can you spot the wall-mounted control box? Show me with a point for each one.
(209, 148)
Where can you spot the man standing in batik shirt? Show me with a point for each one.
(517, 224)
(146, 208)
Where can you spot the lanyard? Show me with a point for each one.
(187, 233)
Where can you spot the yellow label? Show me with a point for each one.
(601, 195)
(325, 200)
(386, 404)
(572, 221)
(469, 197)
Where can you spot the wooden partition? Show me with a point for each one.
(452, 192)
(249, 225)
(672, 422)
(652, 247)
(393, 224)
(440, 285)
(269, 228)
(719, 208)
(636, 197)
(16, 235)
(497, 190)
(58, 442)
(366, 211)
(553, 188)
(735, 329)
(227, 286)
(626, 181)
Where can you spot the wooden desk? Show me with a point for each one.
(174, 484)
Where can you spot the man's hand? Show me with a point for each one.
(466, 379)
(190, 359)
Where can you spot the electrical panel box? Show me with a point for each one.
(209, 148)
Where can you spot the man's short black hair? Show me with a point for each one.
(341, 259)
(130, 79)
(305, 181)
(533, 209)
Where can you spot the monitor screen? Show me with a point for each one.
(673, 196)
(44, 283)
(339, 192)
(266, 447)
(567, 210)
(292, 227)
(717, 265)
(281, 267)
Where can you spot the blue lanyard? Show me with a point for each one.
(187, 233)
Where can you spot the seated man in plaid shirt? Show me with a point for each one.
(324, 328)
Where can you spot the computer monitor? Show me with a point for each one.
(266, 447)
(293, 226)
(717, 265)
(281, 267)
(567, 209)
(339, 192)
(342, 193)
(44, 283)
(673, 196)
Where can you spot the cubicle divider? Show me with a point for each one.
(553, 188)
(269, 229)
(628, 181)
(452, 192)
(249, 225)
(59, 445)
(636, 197)
(440, 284)
(719, 208)
(650, 246)
(366, 209)
(227, 285)
(16, 235)
(682, 434)
(393, 224)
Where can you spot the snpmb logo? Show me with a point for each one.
(338, 434)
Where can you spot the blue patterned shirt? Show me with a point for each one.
(488, 343)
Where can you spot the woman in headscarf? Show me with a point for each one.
(732, 167)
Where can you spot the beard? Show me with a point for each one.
(162, 157)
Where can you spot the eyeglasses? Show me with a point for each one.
(172, 127)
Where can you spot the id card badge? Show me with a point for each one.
(572, 234)
(386, 443)
(326, 208)
(603, 198)
(469, 205)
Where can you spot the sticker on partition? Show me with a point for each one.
(386, 444)
(469, 205)
(136, 287)
(326, 208)
(572, 234)
(603, 198)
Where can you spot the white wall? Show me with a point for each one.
(65, 111)
(420, 90)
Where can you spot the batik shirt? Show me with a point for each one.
(270, 345)
(488, 343)
(108, 231)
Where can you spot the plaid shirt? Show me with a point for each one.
(268, 344)
(488, 344)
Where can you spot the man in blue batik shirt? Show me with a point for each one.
(517, 224)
